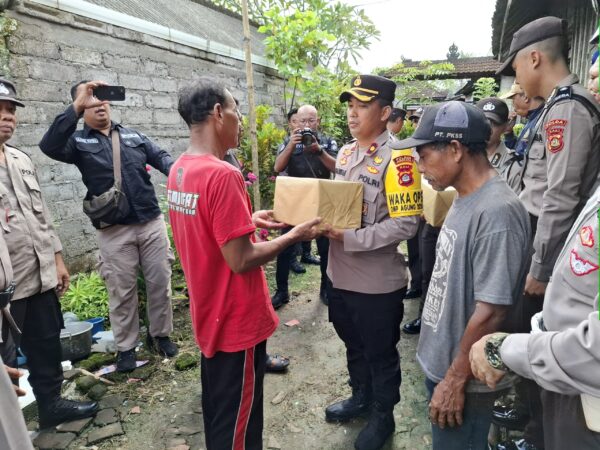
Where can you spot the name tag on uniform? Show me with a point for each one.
(86, 141)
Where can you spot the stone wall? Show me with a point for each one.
(52, 49)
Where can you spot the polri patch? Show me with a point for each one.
(580, 266)
(586, 236)
(555, 131)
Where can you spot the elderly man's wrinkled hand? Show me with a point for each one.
(480, 366)
(332, 233)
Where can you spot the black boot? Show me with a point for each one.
(412, 327)
(309, 258)
(356, 406)
(296, 267)
(58, 410)
(162, 345)
(379, 429)
(279, 299)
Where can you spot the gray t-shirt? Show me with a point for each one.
(480, 255)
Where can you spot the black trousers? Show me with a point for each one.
(284, 260)
(40, 319)
(232, 398)
(369, 325)
(414, 258)
(428, 237)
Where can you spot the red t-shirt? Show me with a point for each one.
(208, 207)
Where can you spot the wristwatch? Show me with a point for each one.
(492, 351)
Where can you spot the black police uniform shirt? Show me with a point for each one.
(301, 162)
(91, 151)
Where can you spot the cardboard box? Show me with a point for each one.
(436, 203)
(338, 203)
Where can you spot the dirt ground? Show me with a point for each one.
(170, 400)
(294, 402)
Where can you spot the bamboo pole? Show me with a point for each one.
(251, 106)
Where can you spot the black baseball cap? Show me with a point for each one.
(417, 114)
(446, 122)
(494, 109)
(367, 87)
(8, 92)
(536, 31)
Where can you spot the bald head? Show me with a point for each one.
(308, 117)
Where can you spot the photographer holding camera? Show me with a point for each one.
(306, 153)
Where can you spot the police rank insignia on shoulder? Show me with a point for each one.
(580, 266)
(372, 149)
(343, 161)
(373, 170)
(348, 152)
(586, 236)
(555, 130)
(377, 160)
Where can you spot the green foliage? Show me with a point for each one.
(407, 130)
(415, 82)
(87, 296)
(269, 136)
(8, 26)
(518, 128)
(485, 87)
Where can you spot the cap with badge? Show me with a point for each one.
(368, 87)
(449, 121)
(416, 114)
(514, 90)
(8, 92)
(494, 109)
(536, 31)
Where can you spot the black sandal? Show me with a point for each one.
(277, 363)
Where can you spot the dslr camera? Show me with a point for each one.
(307, 137)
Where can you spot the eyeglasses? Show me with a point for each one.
(310, 121)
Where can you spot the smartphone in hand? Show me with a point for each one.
(110, 93)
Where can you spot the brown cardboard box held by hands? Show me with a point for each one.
(338, 203)
(436, 203)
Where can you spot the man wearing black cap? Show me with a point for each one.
(40, 275)
(479, 269)
(496, 111)
(367, 271)
(416, 116)
(396, 121)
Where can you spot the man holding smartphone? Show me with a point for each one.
(139, 238)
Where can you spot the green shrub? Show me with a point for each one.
(87, 296)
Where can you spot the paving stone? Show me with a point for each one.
(71, 374)
(111, 401)
(179, 447)
(97, 392)
(52, 440)
(75, 426)
(99, 434)
(105, 417)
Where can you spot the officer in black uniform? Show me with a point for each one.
(306, 153)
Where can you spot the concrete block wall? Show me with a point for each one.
(51, 50)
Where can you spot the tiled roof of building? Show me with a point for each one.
(475, 67)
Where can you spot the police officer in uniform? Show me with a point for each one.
(305, 153)
(40, 275)
(562, 165)
(563, 355)
(368, 273)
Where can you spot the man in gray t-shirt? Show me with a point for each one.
(479, 269)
